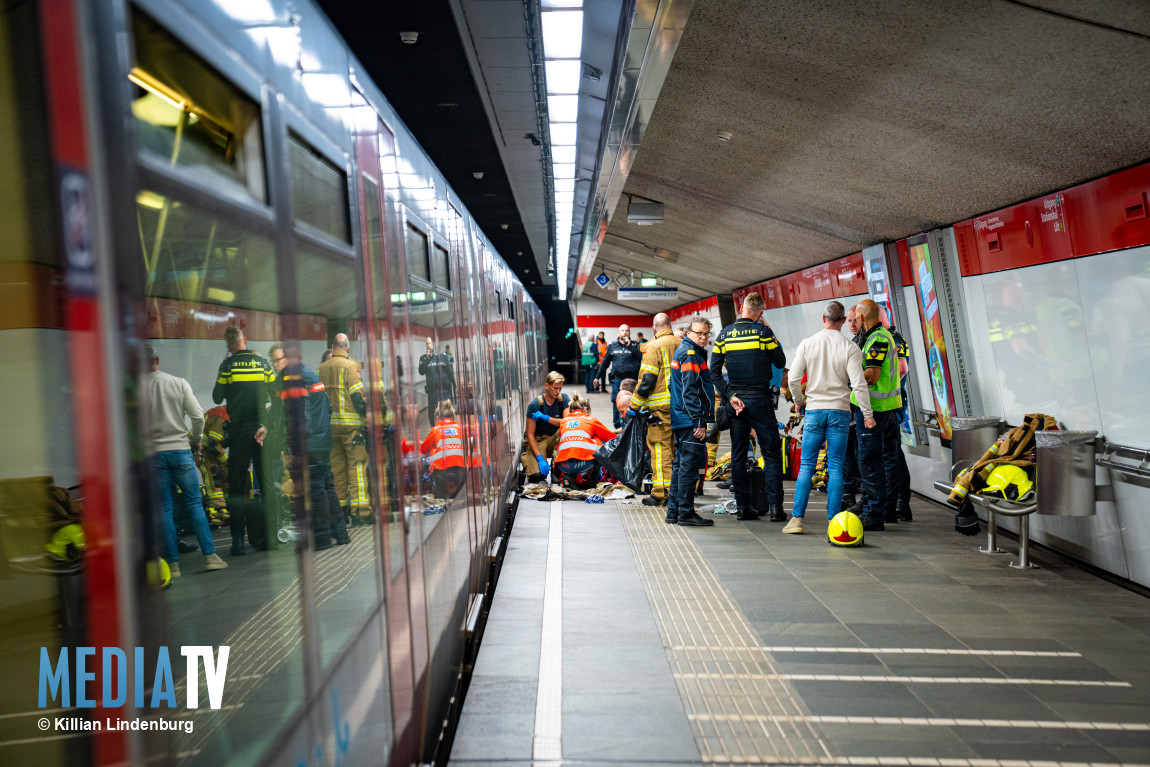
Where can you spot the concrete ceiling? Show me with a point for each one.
(857, 123)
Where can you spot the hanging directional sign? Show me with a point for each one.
(603, 280)
(647, 294)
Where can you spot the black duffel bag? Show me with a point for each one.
(623, 457)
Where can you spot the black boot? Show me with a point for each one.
(747, 515)
(848, 501)
(237, 547)
(902, 510)
(777, 513)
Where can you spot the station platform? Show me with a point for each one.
(615, 638)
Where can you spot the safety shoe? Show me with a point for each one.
(902, 510)
(174, 569)
(672, 518)
(724, 485)
(237, 547)
(342, 540)
(890, 517)
(184, 547)
(777, 514)
(794, 527)
(651, 500)
(694, 520)
(872, 523)
(747, 515)
(213, 562)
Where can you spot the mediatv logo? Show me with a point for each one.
(69, 678)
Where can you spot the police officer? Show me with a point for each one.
(623, 358)
(654, 394)
(902, 511)
(438, 370)
(243, 380)
(877, 447)
(749, 350)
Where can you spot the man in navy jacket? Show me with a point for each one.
(692, 408)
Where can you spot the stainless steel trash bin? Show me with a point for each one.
(1065, 473)
(972, 437)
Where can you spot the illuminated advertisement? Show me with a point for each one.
(935, 342)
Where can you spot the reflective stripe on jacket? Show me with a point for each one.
(656, 362)
(579, 436)
(444, 444)
(885, 394)
(341, 377)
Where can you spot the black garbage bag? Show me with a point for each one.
(623, 457)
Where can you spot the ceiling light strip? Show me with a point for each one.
(562, 29)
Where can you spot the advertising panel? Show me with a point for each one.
(940, 381)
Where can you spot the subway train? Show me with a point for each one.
(172, 169)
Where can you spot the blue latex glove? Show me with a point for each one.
(539, 415)
(632, 411)
(543, 467)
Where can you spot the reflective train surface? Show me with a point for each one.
(172, 169)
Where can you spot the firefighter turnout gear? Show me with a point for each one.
(653, 393)
(692, 395)
(344, 388)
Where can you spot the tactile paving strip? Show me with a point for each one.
(739, 706)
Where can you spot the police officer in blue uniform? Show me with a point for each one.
(749, 350)
(623, 357)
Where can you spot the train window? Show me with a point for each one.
(319, 190)
(193, 258)
(498, 304)
(441, 268)
(329, 307)
(417, 256)
(189, 116)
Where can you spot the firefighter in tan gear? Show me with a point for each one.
(652, 393)
(344, 387)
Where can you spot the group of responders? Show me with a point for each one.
(112, 724)
(75, 670)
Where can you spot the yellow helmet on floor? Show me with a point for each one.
(845, 530)
(159, 573)
(1009, 481)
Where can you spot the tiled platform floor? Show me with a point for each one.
(615, 638)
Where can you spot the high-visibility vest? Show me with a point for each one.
(579, 436)
(886, 393)
(445, 444)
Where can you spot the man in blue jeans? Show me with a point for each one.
(169, 400)
(832, 364)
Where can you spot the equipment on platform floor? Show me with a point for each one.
(845, 530)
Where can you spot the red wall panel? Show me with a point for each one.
(1111, 213)
(847, 276)
(966, 240)
(1032, 232)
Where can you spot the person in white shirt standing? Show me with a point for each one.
(832, 364)
(171, 448)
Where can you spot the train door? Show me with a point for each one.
(375, 158)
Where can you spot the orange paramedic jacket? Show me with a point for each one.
(579, 435)
(445, 444)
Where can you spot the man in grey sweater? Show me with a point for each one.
(833, 367)
(169, 400)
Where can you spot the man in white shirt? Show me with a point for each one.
(833, 367)
(169, 400)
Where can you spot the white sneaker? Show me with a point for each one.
(794, 527)
(213, 562)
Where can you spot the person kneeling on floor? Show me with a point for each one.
(579, 436)
(542, 432)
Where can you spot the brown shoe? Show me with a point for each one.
(213, 562)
